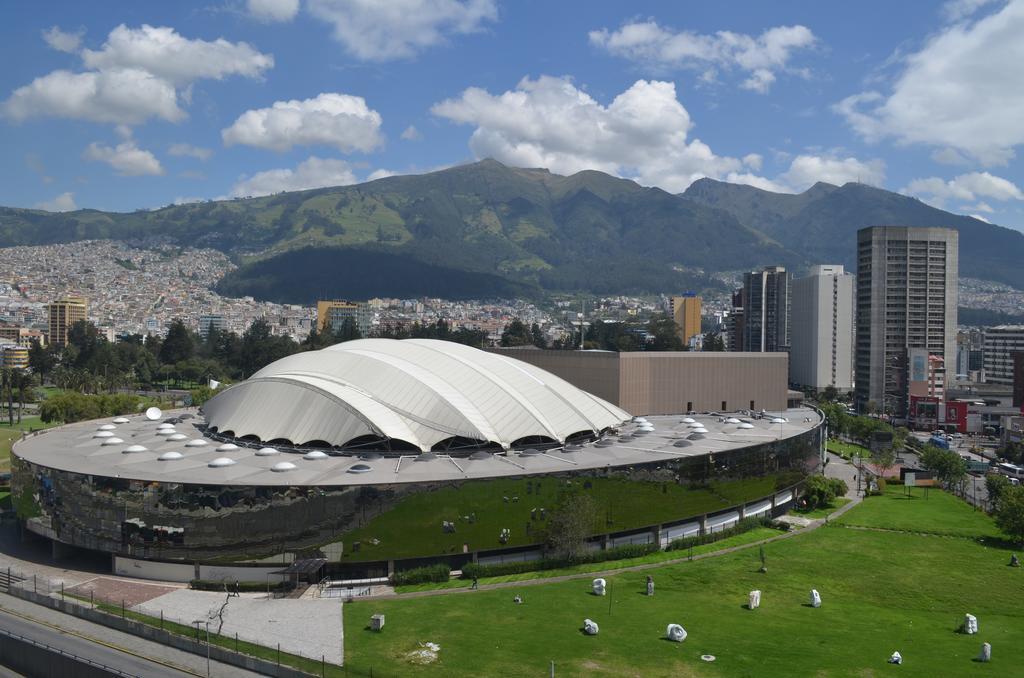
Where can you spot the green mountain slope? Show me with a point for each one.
(507, 229)
(822, 223)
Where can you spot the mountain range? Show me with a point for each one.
(486, 229)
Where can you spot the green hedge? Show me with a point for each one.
(745, 525)
(422, 575)
(240, 586)
(471, 570)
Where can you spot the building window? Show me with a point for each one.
(725, 406)
(689, 406)
(751, 405)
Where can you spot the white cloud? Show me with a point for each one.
(330, 119)
(411, 134)
(165, 53)
(65, 202)
(965, 187)
(807, 169)
(63, 41)
(949, 156)
(271, 11)
(549, 122)
(127, 158)
(760, 57)
(183, 150)
(380, 174)
(955, 10)
(125, 96)
(313, 172)
(982, 207)
(381, 31)
(136, 75)
(764, 183)
(753, 161)
(961, 91)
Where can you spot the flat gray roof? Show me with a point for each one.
(75, 448)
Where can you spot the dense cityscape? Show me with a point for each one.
(487, 338)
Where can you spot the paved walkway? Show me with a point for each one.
(310, 628)
(124, 642)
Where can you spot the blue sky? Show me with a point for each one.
(133, 105)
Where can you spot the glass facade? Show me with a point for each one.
(360, 525)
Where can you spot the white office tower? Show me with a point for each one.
(821, 329)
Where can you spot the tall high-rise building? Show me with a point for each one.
(1001, 342)
(210, 323)
(332, 313)
(906, 299)
(821, 330)
(64, 313)
(766, 310)
(686, 313)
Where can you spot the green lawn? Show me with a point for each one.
(757, 534)
(822, 511)
(881, 591)
(413, 527)
(8, 435)
(934, 511)
(847, 450)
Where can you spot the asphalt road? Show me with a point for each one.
(101, 654)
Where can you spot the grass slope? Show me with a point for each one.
(933, 512)
(413, 528)
(882, 591)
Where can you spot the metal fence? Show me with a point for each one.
(121, 615)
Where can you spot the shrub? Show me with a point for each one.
(439, 572)
(745, 525)
(471, 570)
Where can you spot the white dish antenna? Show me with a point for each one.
(154, 413)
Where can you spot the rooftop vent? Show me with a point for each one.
(314, 455)
(270, 452)
(171, 456)
(111, 441)
(359, 468)
(132, 449)
(282, 466)
(196, 442)
(221, 462)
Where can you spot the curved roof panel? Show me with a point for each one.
(419, 391)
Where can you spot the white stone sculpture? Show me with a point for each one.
(676, 633)
(754, 600)
(599, 586)
(815, 598)
(970, 624)
(590, 627)
(986, 653)
(896, 658)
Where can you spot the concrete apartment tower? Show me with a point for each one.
(907, 296)
(821, 330)
(766, 310)
(64, 313)
(686, 313)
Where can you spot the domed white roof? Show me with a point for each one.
(282, 466)
(315, 454)
(177, 436)
(121, 420)
(103, 434)
(131, 449)
(111, 441)
(267, 452)
(106, 427)
(418, 391)
(196, 442)
(227, 447)
(170, 456)
(221, 462)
